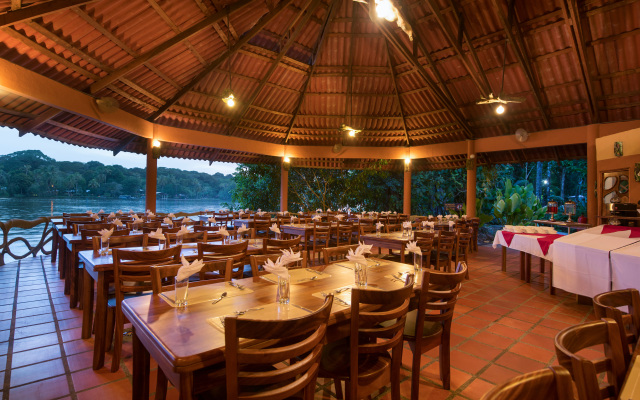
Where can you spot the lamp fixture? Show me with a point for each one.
(228, 97)
(500, 109)
(350, 131)
(386, 10)
(287, 159)
(407, 161)
(156, 143)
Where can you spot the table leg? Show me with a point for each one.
(87, 306)
(504, 259)
(186, 386)
(541, 265)
(402, 254)
(61, 260)
(101, 319)
(67, 273)
(552, 290)
(141, 366)
(54, 246)
(73, 277)
(522, 266)
(528, 268)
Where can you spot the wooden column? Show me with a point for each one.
(406, 198)
(592, 174)
(152, 178)
(471, 179)
(284, 186)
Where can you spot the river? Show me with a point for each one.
(34, 207)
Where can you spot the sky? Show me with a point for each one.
(11, 142)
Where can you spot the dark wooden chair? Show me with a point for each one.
(163, 276)
(261, 225)
(429, 326)
(215, 252)
(332, 255)
(444, 251)
(362, 359)
(553, 383)
(134, 268)
(344, 233)
(585, 372)
(191, 237)
(462, 249)
(121, 241)
(319, 240)
(273, 246)
(606, 305)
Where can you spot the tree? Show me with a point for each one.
(257, 186)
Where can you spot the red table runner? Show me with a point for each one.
(635, 232)
(544, 241)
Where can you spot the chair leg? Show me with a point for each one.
(338, 384)
(161, 385)
(415, 373)
(117, 342)
(445, 363)
(108, 340)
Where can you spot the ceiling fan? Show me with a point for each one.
(349, 130)
(501, 98)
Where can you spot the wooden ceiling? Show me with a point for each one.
(301, 68)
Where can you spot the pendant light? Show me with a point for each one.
(228, 97)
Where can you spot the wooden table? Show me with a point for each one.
(391, 241)
(631, 387)
(182, 341)
(99, 269)
(576, 226)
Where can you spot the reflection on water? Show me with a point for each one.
(32, 208)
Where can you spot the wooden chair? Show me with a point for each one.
(429, 326)
(332, 255)
(362, 359)
(257, 261)
(426, 246)
(132, 267)
(215, 252)
(121, 241)
(266, 373)
(367, 230)
(419, 235)
(444, 251)
(344, 234)
(585, 372)
(462, 249)
(606, 305)
(552, 383)
(163, 276)
(273, 246)
(393, 227)
(79, 227)
(261, 225)
(475, 228)
(191, 237)
(320, 239)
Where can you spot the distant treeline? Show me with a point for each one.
(30, 173)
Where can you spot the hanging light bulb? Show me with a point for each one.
(500, 109)
(407, 161)
(287, 159)
(229, 99)
(385, 10)
(350, 131)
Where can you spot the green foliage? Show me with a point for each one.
(430, 190)
(257, 186)
(518, 205)
(31, 173)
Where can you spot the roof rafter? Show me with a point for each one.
(38, 10)
(312, 6)
(38, 120)
(314, 64)
(187, 33)
(264, 20)
(123, 144)
(395, 89)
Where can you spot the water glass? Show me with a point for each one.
(417, 261)
(178, 240)
(284, 289)
(361, 274)
(377, 231)
(162, 244)
(182, 289)
(104, 246)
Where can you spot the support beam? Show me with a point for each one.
(471, 179)
(152, 178)
(187, 33)
(397, 93)
(38, 10)
(406, 193)
(218, 61)
(123, 144)
(284, 187)
(592, 174)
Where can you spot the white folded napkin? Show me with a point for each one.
(288, 257)
(340, 217)
(358, 255)
(328, 210)
(171, 215)
(112, 215)
(223, 231)
(455, 216)
(261, 213)
(430, 216)
(212, 220)
(131, 211)
(406, 224)
(379, 225)
(148, 211)
(464, 216)
(286, 213)
(188, 269)
(279, 213)
(95, 216)
(246, 210)
(168, 221)
(117, 222)
(186, 219)
(157, 234)
(276, 268)
(119, 212)
(425, 224)
(240, 213)
(259, 209)
(300, 213)
(274, 228)
(451, 224)
(138, 221)
(135, 216)
(105, 234)
(316, 217)
(150, 214)
(242, 229)
(182, 231)
(412, 247)
(319, 210)
(294, 219)
(439, 216)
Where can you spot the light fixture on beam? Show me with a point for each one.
(155, 148)
(385, 9)
(500, 109)
(287, 159)
(156, 143)
(229, 98)
(352, 132)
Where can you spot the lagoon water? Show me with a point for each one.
(34, 207)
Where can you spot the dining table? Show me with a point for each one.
(391, 241)
(189, 340)
(98, 270)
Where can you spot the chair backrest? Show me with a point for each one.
(121, 241)
(257, 261)
(446, 243)
(585, 372)
(606, 305)
(418, 235)
(367, 229)
(191, 237)
(321, 231)
(344, 232)
(236, 251)
(163, 276)
(332, 255)
(134, 267)
(552, 383)
(272, 246)
(249, 369)
(393, 227)
(377, 329)
(463, 239)
(78, 227)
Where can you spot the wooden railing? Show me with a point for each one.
(43, 223)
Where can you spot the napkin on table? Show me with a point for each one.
(182, 231)
(277, 268)
(186, 219)
(101, 211)
(105, 234)
(274, 228)
(259, 209)
(171, 215)
(168, 221)
(288, 257)
(379, 225)
(246, 210)
(157, 234)
(95, 216)
(412, 247)
(339, 217)
(300, 213)
(131, 211)
(112, 215)
(212, 220)
(464, 216)
(119, 212)
(138, 221)
(406, 224)
(242, 229)
(439, 217)
(188, 269)
(117, 222)
(451, 224)
(358, 254)
(319, 210)
(223, 231)
(150, 214)
(316, 217)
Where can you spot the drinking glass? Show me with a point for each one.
(417, 261)
(182, 289)
(361, 274)
(104, 246)
(162, 244)
(377, 231)
(284, 288)
(178, 240)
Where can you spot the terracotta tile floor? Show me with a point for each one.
(502, 328)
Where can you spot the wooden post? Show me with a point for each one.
(504, 259)
(471, 179)
(406, 198)
(284, 187)
(152, 178)
(592, 174)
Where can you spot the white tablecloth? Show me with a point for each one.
(625, 267)
(527, 243)
(581, 262)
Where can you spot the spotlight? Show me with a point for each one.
(287, 159)
(407, 160)
(155, 143)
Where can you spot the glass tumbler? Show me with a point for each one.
(284, 290)
(182, 289)
(360, 274)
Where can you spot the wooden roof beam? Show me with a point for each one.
(572, 17)
(264, 20)
(38, 120)
(38, 10)
(305, 85)
(123, 144)
(187, 33)
(445, 100)
(522, 58)
(395, 89)
(310, 7)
